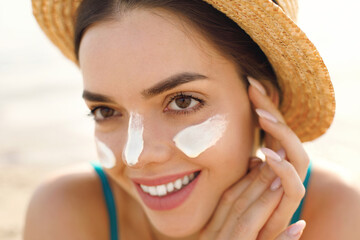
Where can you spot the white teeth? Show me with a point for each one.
(161, 190)
(164, 189)
(170, 187)
(178, 184)
(145, 188)
(185, 180)
(192, 176)
(152, 191)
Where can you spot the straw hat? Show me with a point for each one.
(308, 102)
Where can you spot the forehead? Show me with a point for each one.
(143, 47)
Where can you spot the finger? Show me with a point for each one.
(243, 194)
(293, 193)
(290, 179)
(257, 187)
(293, 232)
(237, 202)
(290, 142)
(247, 224)
(227, 201)
(261, 100)
(271, 120)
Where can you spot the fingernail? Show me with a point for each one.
(281, 153)
(266, 115)
(256, 84)
(271, 154)
(275, 184)
(296, 228)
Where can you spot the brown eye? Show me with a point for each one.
(101, 113)
(183, 102)
(106, 112)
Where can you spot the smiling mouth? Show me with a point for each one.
(171, 187)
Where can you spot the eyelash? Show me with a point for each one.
(198, 106)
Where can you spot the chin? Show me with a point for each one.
(184, 221)
(178, 226)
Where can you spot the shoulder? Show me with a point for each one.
(66, 206)
(332, 206)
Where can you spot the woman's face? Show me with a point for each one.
(148, 76)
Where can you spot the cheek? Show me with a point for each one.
(110, 147)
(229, 158)
(106, 155)
(194, 140)
(239, 142)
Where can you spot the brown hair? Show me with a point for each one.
(224, 34)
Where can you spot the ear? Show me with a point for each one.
(273, 93)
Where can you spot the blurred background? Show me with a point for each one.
(43, 122)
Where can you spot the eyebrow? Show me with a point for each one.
(165, 85)
(96, 97)
(171, 82)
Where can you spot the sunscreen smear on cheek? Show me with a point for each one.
(106, 156)
(135, 142)
(196, 139)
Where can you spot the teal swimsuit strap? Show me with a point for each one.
(297, 214)
(109, 198)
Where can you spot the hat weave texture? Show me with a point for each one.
(308, 101)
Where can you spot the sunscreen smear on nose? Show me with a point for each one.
(135, 142)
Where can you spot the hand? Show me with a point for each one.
(281, 138)
(278, 135)
(247, 205)
(252, 210)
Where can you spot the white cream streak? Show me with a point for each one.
(196, 139)
(106, 156)
(135, 141)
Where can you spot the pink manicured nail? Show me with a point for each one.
(256, 84)
(266, 115)
(296, 228)
(275, 184)
(271, 154)
(281, 152)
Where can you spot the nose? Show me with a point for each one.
(148, 142)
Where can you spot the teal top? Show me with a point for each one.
(110, 203)
(109, 199)
(297, 214)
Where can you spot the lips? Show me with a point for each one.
(161, 180)
(166, 200)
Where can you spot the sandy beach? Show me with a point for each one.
(44, 124)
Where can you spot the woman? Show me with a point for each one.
(182, 99)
